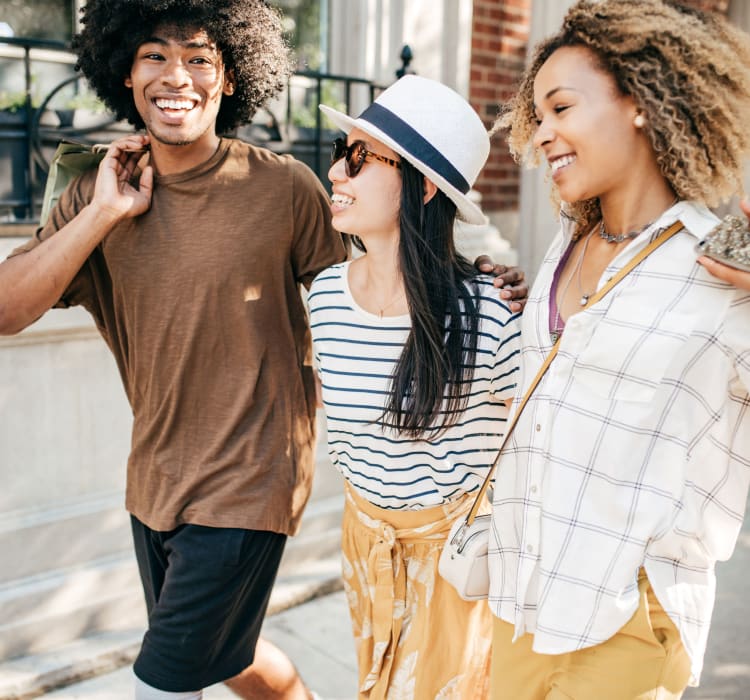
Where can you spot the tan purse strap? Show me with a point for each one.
(675, 228)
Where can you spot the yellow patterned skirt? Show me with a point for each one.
(415, 638)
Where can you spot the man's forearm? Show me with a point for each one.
(33, 282)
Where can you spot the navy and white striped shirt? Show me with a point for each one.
(356, 353)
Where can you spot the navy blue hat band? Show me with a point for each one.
(414, 144)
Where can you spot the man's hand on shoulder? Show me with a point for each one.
(508, 279)
(114, 195)
(32, 281)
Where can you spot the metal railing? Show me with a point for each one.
(345, 81)
(16, 120)
(30, 131)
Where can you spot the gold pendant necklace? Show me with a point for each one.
(390, 303)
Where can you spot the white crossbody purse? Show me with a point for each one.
(463, 561)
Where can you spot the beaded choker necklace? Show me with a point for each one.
(620, 237)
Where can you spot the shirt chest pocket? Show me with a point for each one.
(630, 349)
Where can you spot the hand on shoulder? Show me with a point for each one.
(114, 194)
(510, 280)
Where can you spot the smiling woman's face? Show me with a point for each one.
(368, 204)
(586, 126)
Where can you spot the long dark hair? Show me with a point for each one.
(431, 383)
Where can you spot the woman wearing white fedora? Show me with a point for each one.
(417, 356)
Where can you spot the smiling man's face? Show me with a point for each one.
(178, 80)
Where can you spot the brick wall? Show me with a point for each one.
(498, 50)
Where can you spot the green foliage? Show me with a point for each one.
(84, 100)
(302, 29)
(305, 114)
(15, 100)
(12, 101)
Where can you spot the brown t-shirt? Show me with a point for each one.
(199, 301)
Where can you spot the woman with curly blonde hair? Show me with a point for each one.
(626, 477)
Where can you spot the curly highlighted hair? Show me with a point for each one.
(687, 71)
(246, 32)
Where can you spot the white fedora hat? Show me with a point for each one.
(432, 127)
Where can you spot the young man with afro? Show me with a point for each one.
(188, 250)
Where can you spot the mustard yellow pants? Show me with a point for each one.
(415, 638)
(645, 660)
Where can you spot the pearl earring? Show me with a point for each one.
(639, 121)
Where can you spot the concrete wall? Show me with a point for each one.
(367, 36)
(64, 534)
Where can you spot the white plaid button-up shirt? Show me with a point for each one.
(633, 451)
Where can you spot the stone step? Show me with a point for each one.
(45, 611)
(100, 653)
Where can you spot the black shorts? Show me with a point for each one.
(207, 590)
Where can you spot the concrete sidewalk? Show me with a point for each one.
(109, 634)
(315, 635)
(307, 617)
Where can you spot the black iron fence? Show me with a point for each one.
(34, 120)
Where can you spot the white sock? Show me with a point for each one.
(143, 691)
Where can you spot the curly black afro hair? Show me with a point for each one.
(247, 32)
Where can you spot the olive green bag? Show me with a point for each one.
(70, 160)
